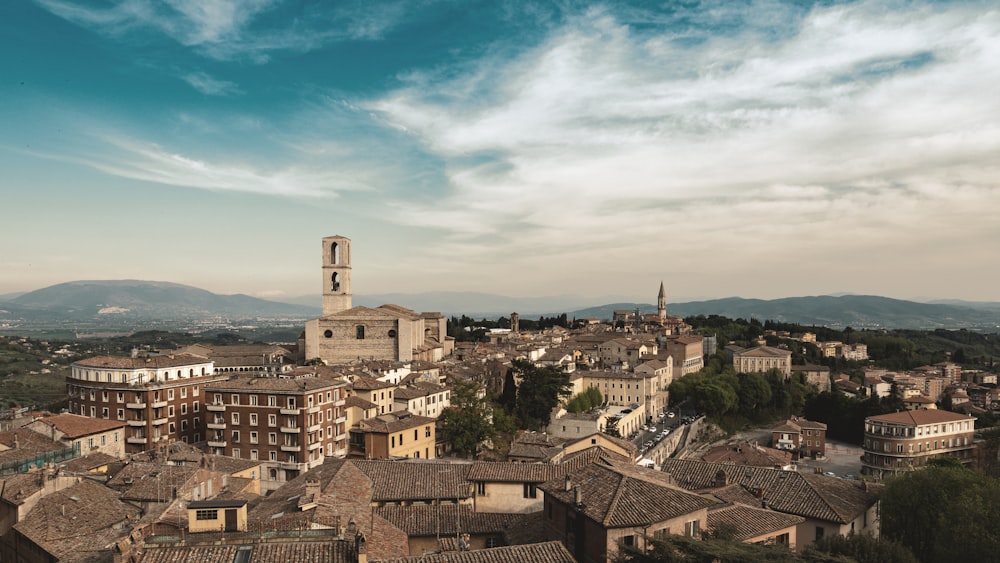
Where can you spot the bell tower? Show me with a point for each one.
(661, 303)
(336, 274)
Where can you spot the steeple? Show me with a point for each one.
(661, 303)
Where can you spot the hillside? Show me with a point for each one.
(138, 299)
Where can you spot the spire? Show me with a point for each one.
(661, 303)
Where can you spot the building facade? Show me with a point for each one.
(762, 359)
(289, 424)
(907, 440)
(159, 398)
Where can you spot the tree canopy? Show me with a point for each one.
(540, 390)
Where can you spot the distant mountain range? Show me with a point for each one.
(158, 301)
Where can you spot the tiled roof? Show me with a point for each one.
(548, 552)
(932, 416)
(88, 462)
(74, 426)
(513, 472)
(764, 352)
(79, 523)
(364, 383)
(748, 454)
(808, 495)
(26, 444)
(394, 422)
(143, 362)
(355, 401)
(431, 520)
(294, 550)
(274, 384)
(750, 522)
(530, 528)
(142, 481)
(621, 495)
(394, 481)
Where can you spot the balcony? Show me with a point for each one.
(340, 419)
(135, 405)
(314, 428)
(134, 440)
(316, 446)
(312, 410)
(291, 429)
(159, 404)
(137, 422)
(290, 465)
(159, 421)
(340, 437)
(216, 407)
(290, 411)
(216, 444)
(216, 425)
(285, 448)
(340, 403)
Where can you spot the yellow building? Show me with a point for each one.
(217, 516)
(392, 436)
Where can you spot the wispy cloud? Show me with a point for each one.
(209, 86)
(236, 29)
(608, 131)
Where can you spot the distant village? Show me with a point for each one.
(332, 449)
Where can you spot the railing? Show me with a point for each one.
(24, 464)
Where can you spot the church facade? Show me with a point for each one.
(347, 333)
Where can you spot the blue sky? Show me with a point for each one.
(761, 149)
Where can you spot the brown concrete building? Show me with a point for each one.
(687, 353)
(289, 424)
(906, 440)
(394, 435)
(90, 435)
(158, 397)
(804, 438)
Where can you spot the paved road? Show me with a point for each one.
(841, 458)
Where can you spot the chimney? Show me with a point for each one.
(577, 496)
(569, 483)
(312, 487)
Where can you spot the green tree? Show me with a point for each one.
(611, 427)
(539, 392)
(467, 422)
(754, 394)
(943, 514)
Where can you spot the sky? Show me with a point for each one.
(728, 148)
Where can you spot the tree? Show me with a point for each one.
(943, 513)
(466, 423)
(611, 427)
(539, 392)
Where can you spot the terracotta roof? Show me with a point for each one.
(548, 552)
(513, 472)
(294, 549)
(750, 522)
(355, 401)
(75, 426)
(748, 454)
(431, 520)
(284, 385)
(79, 523)
(620, 495)
(156, 482)
(932, 416)
(393, 422)
(394, 481)
(88, 462)
(530, 528)
(364, 383)
(807, 495)
(143, 362)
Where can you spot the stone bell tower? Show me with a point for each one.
(661, 303)
(336, 274)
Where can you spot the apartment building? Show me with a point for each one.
(907, 440)
(158, 397)
(289, 424)
(687, 353)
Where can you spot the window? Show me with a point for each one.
(253, 437)
(236, 453)
(184, 392)
(172, 428)
(272, 420)
(253, 455)
(170, 394)
(236, 418)
(253, 419)
(427, 432)
(272, 401)
(692, 529)
(819, 532)
(121, 397)
(196, 405)
(170, 410)
(206, 514)
(628, 541)
(184, 424)
(272, 438)
(253, 400)
(359, 332)
(234, 399)
(218, 398)
(481, 488)
(530, 490)
(121, 414)
(236, 435)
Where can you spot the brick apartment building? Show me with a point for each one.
(289, 424)
(158, 397)
(906, 440)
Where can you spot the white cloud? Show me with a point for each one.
(237, 29)
(209, 86)
(605, 133)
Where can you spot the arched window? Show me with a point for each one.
(335, 253)
(335, 282)
(359, 332)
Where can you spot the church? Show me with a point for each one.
(389, 332)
